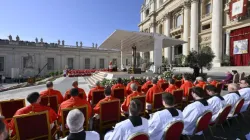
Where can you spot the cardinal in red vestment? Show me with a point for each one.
(119, 85)
(211, 81)
(160, 80)
(81, 92)
(96, 88)
(144, 87)
(152, 91)
(51, 92)
(187, 84)
(171, 87)
(199, 82)
(128, 89)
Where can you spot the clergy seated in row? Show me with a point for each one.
(210, 81)
(216, 101)
(75, 120)
(186, 85)
(171, 86)
(119, 85)
(96, 88)
(199, 82)
(160, 80)
(245, 93)
(128, 89)
(151, 92)
(74, 101)
(158, 122)
(132, 125)
(3, 129)
(108, 97)
(228, 79)
(193, 111)
(233, 96)
(126, 103)
(144, 87)
(34, 100)
(81, 91)
(51, 92)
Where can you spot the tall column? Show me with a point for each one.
(173, 54)
(167, 51)
(123, 59)
(194, 25)
(152, 30)
(228, 43)
(158, 42)
(217, 32)
(186, 30)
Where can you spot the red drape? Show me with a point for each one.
(240, 34)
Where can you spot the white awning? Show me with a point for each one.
(144, 42)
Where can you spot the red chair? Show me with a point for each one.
(143, 101)
(109, 117)
(173, 131)
(219, 87)
(119, 93)
(202, 123)
(178, 83)
(50, 101)
(164, 86)
(178, 95)
(97, 96)
(222, 117)
(236, 111)
(139, 136)
(65, 112)
(139, 88)
(8, 108)
(157, 102)
(38, 126)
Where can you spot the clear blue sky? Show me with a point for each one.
(72, 20)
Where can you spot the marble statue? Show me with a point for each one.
(63, 42)
(17, 38)
(36, 40)
(10, 37)
(81, 43)
(96, 45)
(41, 40)
(76, 43)
(59, 42)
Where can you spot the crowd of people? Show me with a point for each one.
(153, 126)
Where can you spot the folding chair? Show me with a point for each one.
(119, 93)
(173, 131)
(139, 136)
(65, 112)
(50, 101)
(178, 95)
(8, 108)
(157, 102)
(97, 96)
(236, 110)
(143, 101)
(139, 88)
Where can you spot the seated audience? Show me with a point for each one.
(216, 101)
(152, 91)
(233, 96)
(96, 88)
(160, 80)
(34, 100)
(187, 84)
(161, 119)
(132, 125)
(3, 130)
(107, 98)
(144, 87)
(171, 86)
(210, 81)
(81, 92)
(119, 85)
(245, 93)
(229, 78)
(199, 82)
(51, 92)
(75, 121)
(193, 111)
(74, 101)
(126, 103)
(128, 89)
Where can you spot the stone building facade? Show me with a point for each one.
(27, 59)
(199, 22)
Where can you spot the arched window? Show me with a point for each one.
(208, 8)
(179, 20)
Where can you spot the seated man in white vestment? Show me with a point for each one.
(245, 93)
(216, 101)
(193, 111)
(233, 96)
(75, 121)
(161, 119)
(132, 125)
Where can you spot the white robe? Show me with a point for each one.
(245, 94)
(125, 129)
(216, 104)
(231, 99)
(90, 135)
(159, 121)
(191, 113)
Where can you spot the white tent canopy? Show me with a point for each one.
(144, 42)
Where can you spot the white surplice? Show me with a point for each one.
(125, 129)
(245, 94)
(216, 104)
(90, 135)
(159, 121)
(231, 99)
(191, 113)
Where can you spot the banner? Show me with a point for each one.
(241, 46)
(238, 8)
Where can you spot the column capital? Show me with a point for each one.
(187, 4)
(193, 1)
(166, 16)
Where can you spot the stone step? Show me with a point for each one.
(98, 77)
(90, 81)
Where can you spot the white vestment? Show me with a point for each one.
(191, 113)
(159, 121)
(231, 99)
(90, 135)
(216, 104)
(125, 129)
(245, 94)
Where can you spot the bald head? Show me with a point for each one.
(233, 87)
(75, 121)
(154, 81)
(148, 78)
(199, 79)
(209, 79)
(97, 83)
(75, 84)
(49, 84)
(133, 87)
(132, 78)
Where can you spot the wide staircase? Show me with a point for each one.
(98, 76)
